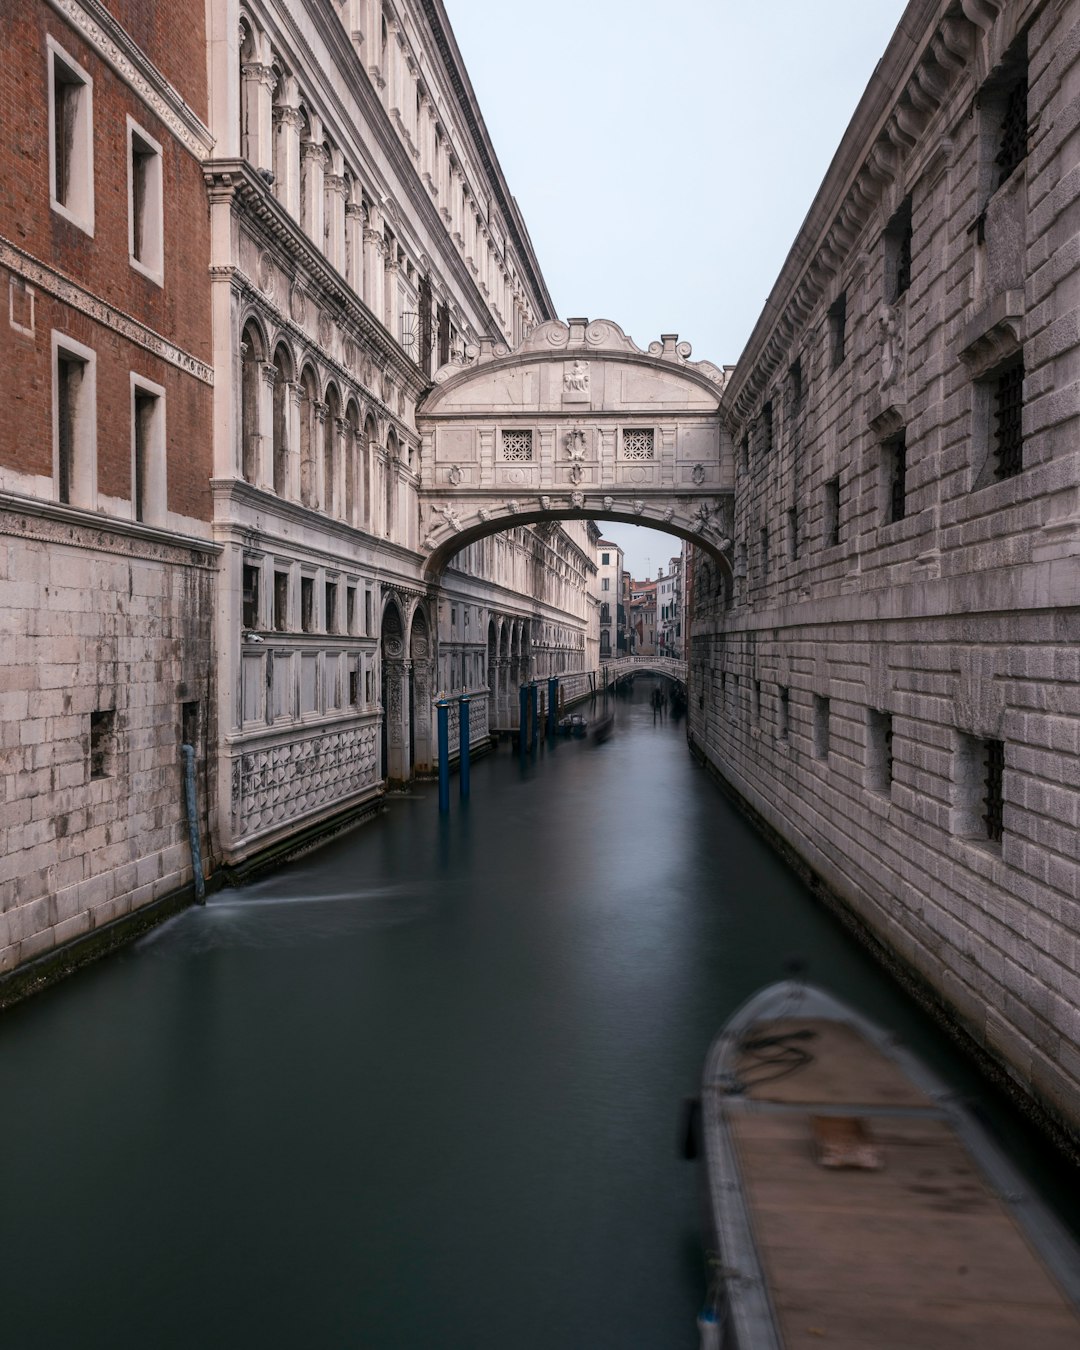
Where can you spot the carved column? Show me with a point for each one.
(294, 397)
(257, 145)
(346, 458)
(264, 463)
(287, 124)
(313, 170)
(374, 284)
(393, 305)
(354, 247)
(336, 186)
(319, 488)
(423, 751)
(396, 713)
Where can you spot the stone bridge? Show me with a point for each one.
(616, 669)
(578, 422)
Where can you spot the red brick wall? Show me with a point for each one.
(179, 310)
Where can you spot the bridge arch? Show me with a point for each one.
(576, 423)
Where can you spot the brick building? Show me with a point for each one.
(107, 558)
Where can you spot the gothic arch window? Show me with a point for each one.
(252, 357)
(368, 459)
(283, 369)
(309, 438)
(331, 495)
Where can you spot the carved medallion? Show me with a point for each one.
(297, 304)
(326, 331)
(454, 474)
(266, 275)
(698, 473)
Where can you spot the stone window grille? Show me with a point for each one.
(879, 749)
(994, 795)
(896, 477)
(1012, 141)
(980, 788)
(832, 512)
(898, 253)
(838, 330)
(517, 447)
(1007, 438)
(821, 727)
(102, 743)
(757, 701)
(637, 443)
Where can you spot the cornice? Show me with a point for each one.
(71, 293)
(100, 30)
(931, 48)
(71, 527)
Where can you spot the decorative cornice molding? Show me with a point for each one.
(57, 524)
(101, 31)
(71, 293)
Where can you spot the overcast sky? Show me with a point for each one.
(664, 156)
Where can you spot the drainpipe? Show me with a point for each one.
(188, 754)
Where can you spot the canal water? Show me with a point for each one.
(420, 1088)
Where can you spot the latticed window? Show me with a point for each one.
(838, 330)
(1008, 412)
(896, 466)
(1012, 147)
(637, 443)
(994, 783)
(517, 446)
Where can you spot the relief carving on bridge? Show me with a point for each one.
(604, 429)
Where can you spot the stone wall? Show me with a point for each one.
(107, 663)
(893, 679)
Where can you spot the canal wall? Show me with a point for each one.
(889, 676)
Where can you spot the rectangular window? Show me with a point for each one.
(102, 743)
(757, 701)
(793, 534)
(148, 457)
(369, 686)
(71, 138)
(605, 559)
(879, 757)
(764, 553)
(145, 214)
(821, 727)
(980, 797)
(605, 583)
(74, 422)
(795, 385)
(307, 603)
(367, 613)
(350, 609)
(895, 464)
(1010, 105)
(251, 596)
(784, 722)
(1007, 437)
(331, 607)
(898, 253)
(354, 687)
(189, 724)
(831, 521)
(766, 428)
(281, 602)
(838, 330)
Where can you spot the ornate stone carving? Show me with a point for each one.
(281, 783)
(890, 326)
(512, 507)
(266, 275)
(545, 503)
(609, 502)
(484, 513)
(698, 473)
(297, 303)
(576, 382)
(454, 474)
(639, 506)
(577, 501)
(450, 516)
(326, 331)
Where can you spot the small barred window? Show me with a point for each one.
(637, 444)
(517, 446)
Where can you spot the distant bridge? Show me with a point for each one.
(613, 671)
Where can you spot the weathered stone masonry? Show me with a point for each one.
(892, 677)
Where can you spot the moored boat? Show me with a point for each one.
(854, 1201)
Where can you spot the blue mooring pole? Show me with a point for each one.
(443, 708)
(463, 744)
(553, 705)
(534, 704)
(523, 719)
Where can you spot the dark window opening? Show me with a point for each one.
(67, 90)
(764, 553)
(838, 330)
(766, 428)
(993, 797)
(795, 382)
(102, 737)
(145, 406)
(1008, 437)
(69, 375)
(350, 609)
(189, 724)
(785, 712)
(832, 512)
(1012, 143)
(896, 468)
(821, 727)
(307, 603)
(281, 602)
(142, 164)
(331, 607)
(251, 597)
(793, 534)
(879, 749)
(898, 252)
(354, 687)
(444, 335)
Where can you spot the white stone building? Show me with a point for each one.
(609, 569)
(893, 682)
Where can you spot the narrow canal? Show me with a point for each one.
(420, 1088)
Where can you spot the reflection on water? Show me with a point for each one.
(420, 1087)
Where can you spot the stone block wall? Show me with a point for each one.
(870, 662)
(107, 662)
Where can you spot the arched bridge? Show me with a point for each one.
(578, 422)
(615, 670)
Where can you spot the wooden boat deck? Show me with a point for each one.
(919, 1253)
